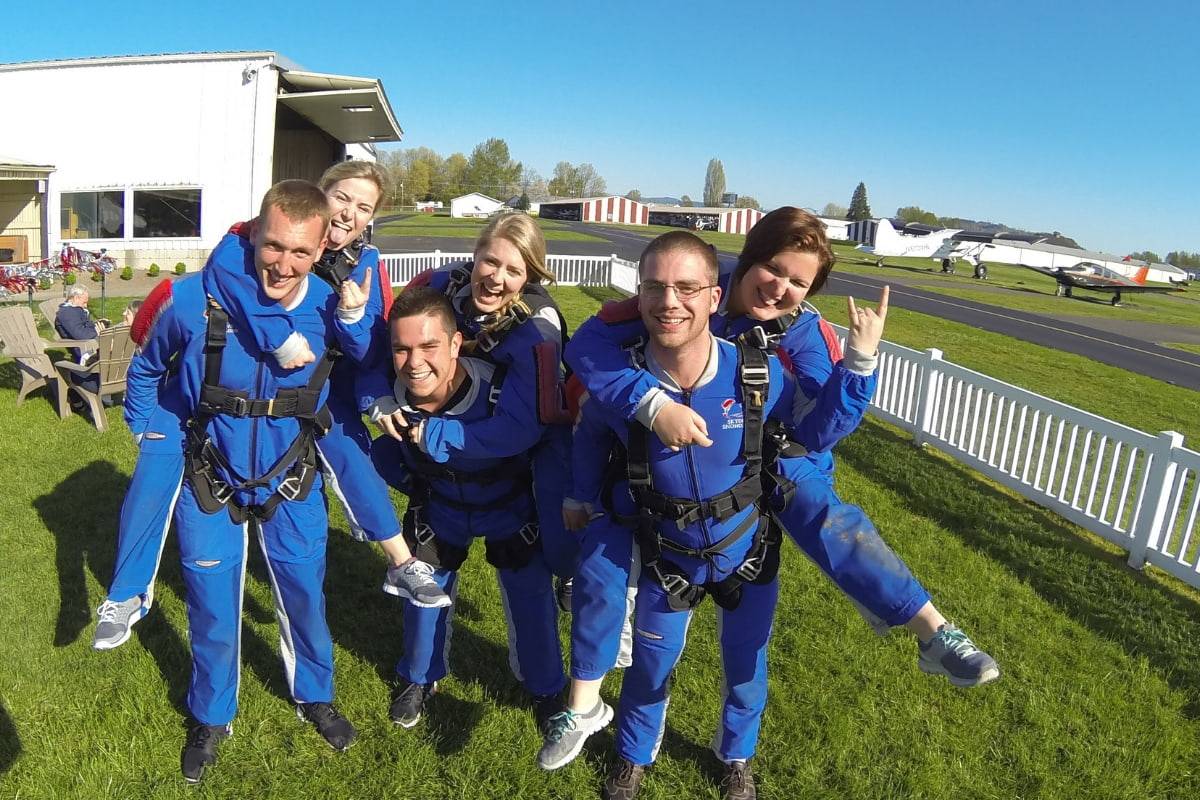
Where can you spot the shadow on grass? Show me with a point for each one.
(602, 294)
(83, 514)
(1090, 584)
(10, 377)
(10, 741)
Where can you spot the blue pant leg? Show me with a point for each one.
(844, 543)
(659, 635)
(145, 519)
(534, 652)
(427, 633)
(601, 598)
(388, 460)
(354, 481)
(551, 482)
(744, 634)
(293, 541)
(212, 550)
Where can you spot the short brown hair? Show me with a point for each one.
(345, 170)
(298, 200)
(423, 300)
(683, 241)
(523, 233)
(787, 228)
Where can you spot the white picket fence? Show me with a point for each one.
(1137, 490)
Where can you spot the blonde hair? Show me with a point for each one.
(523, 233)
(345, 170)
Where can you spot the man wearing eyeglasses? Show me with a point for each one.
(696, 518)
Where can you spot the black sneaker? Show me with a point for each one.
(200, 749)
(336, 729)
(408, 701)
(563, 592)
(623, 781)
(546, 706)
(738, 782)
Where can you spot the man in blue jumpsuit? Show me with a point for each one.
(469, 495)
(251, 458)
(695, 513)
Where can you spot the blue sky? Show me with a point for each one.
(1079, 117)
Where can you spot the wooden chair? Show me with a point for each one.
(115, 350)
(23, 345)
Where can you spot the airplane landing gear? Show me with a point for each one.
(1062, 290)
(1116, 299)
(947, 266)
(981, 271)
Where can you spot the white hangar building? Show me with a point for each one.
(153, 157)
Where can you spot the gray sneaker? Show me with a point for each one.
(115, 621)
(566, 732)
(413, 580)
(952, 653)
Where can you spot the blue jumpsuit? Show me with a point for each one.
(861, 564)
(495, 508)
(153, 488)
(659, 632)
(527, 413)
(212, 546)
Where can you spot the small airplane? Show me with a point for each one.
(1097, 278)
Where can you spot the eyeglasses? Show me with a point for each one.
(684, 290)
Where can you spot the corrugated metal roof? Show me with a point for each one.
(696, 209)
(153, 58)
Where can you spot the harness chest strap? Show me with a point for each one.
(299, 461)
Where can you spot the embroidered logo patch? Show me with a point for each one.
(731, 411)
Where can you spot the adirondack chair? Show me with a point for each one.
(115, 351)
(22, 344)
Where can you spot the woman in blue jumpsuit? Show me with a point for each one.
(507, 318)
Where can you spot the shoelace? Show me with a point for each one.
(956, 641)
(322, 712)
(108, 611)
(735, 779)
(201, 735)
(421, 568)
(560, 723)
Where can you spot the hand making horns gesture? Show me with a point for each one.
(354, 295)
(866, 325)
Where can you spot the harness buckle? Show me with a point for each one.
(673, 583)
(290, 487)
(271, 407)
(241, 406)
(756, 337)
(750, 569)
(528, 533)
(422, 533)
(486, 342)
(222, 492)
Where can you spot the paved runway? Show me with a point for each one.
(1143, 357)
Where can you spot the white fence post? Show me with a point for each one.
(927, 397)
(612, 259)
(1153, 509)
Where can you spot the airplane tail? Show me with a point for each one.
(1139, 277)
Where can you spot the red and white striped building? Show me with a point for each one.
(620, 210)
(739, 220)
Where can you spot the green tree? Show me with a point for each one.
(452, 178)
(576, 181)
(1183, 259)
(1149, 256)
(419, 183)
(491, 169)
(746, 201)
(917, 214)
(860, 209)
(523, 202)
(833, 211)
(685, 201)
(634, 194)
(714, 182)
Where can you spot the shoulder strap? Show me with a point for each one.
(754, 377)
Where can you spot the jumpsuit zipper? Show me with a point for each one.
(692, 477)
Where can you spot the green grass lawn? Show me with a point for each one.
(1191, 348)
(1099, 698)
(449, 227)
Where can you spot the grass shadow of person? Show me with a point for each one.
(1041, 549)
(10, 378)
(10, 740)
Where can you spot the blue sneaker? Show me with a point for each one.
(952, 653)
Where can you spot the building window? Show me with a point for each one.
(93, 215)
(166, 212)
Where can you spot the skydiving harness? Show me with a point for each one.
(762, 561)
(534, 298)
(511, 553)
(298, 464)
(335, 266)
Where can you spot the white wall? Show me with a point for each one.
(176, 124)
(473, 205)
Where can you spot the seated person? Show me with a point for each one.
(73, 321)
